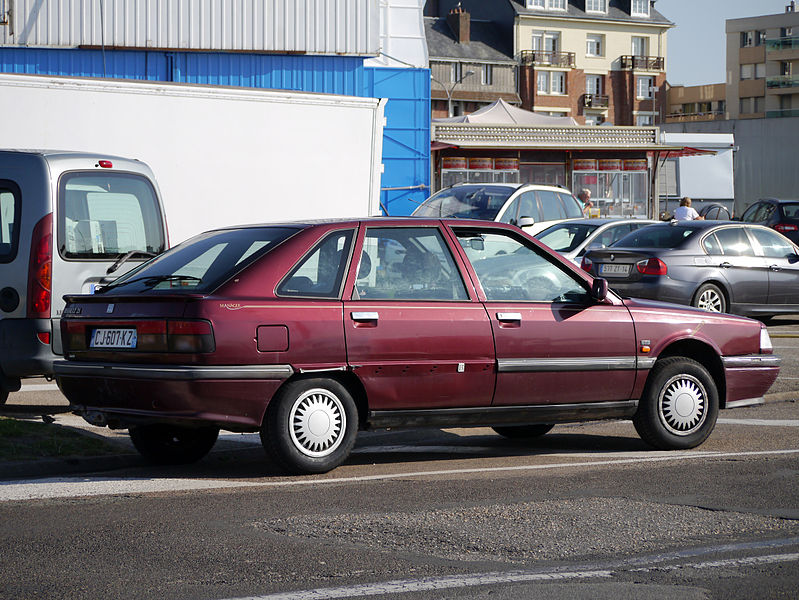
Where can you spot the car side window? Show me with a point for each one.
(528, 206)
(711, 245)
(509, 269)
(551, 206)
(320, 273)
(734, 242)
(509, 216)
(772, 244)
(749, 213)
(411, 263)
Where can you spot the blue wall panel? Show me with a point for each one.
(406, 136)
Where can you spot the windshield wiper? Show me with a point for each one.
(126, 257)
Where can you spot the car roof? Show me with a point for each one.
(384, 221)
(780, 200)
(604, 221)
(514, 186)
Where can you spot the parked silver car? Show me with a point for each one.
(572, 239)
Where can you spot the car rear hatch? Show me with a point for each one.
(789, 220)
(623, 266)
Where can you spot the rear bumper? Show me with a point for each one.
(22, 354)
(232, 397)
(749, 377)
(655, 288)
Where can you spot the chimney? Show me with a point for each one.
(791, 7)
(460, 23)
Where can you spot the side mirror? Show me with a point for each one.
(526, 221)
(793, 258)
(599, 289)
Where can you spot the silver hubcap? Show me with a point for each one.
(709, 300)
(317, 423)
(683, 404)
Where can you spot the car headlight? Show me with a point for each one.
(765, 342)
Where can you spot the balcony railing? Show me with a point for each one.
(648, 63)
(595, 101)
(711, 115)
(784, 43)
(547, 57)
(783, 81)
(785, 112)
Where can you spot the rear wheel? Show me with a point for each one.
(310, 426)
(172, 444)
(516, 432)
(710, 297)
(679, 406)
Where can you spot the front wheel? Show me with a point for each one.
(517, 432)
(310, 426)
(709, 297)
(171, 444)
(679, 406)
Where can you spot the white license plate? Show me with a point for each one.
(614, 270)
(113, 338)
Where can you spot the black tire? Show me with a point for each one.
(710, 297)
(3, 395)
(310, 426)
(679, 406)
(517, 432)
(172, 444)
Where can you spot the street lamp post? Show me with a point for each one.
(448, 91)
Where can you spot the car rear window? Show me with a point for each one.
(466, 202)
(9, 220)
(656, 236)
(791, 211)
(203, 263)
(106, 215)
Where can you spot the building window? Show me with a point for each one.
(786, 32)
(547, 4)
(640, 46)
(785, 67)
(643, 120)
(551, 82)
(760, 38)
(747, 71)
(536, 3)
(760, 70)
(759, 104)
(593, 84)
(745, 106)
(487, 75)
(640, 8)
(595, 44)
(747, 39)
(457, 70)
(596, 6)
(546, 41)
(643, 87)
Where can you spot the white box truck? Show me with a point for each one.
(220, 156)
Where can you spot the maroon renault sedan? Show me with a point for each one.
(308, 332)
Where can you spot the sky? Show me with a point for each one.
(697, 42)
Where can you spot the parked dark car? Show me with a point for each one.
(781, 215)
(720, 266)
(574, 237)
(715, 212)
(309, 332)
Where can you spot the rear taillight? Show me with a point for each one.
(151, 336)
(586, 264)
(652, 266)
(786, 227)
(40, 269)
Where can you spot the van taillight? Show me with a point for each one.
(40, 269)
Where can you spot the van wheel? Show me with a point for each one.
(679, 406)
(710, 297)
(310, 426)
(517, 432)
(172, 444)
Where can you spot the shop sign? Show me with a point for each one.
(635, 164)
(506, 164)
(453, 162)
(609, 164)
(584, 164)
(481, 164)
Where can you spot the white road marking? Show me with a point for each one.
(761, 422)
(405, 586)
(75, 487)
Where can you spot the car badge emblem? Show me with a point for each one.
(110, 308)
(612, 258)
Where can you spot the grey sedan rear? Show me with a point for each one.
(720, 266)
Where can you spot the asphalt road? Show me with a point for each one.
(587, 511)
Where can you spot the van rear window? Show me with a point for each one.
(106, 215)
(9, 220)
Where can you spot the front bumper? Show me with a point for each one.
(749, 377)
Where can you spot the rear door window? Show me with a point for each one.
(571, 205)
(734, 242)
(321, 272)
(106, 215)
(551, 206)
(9, 220)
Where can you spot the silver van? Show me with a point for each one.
(69, 222)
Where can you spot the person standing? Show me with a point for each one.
(685, 212)
(585, 198)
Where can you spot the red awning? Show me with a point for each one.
(434, 146)
(685, 151)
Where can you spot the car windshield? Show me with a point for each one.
(202, 263)
(466, 202)
(656, 236)
(565, 237)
